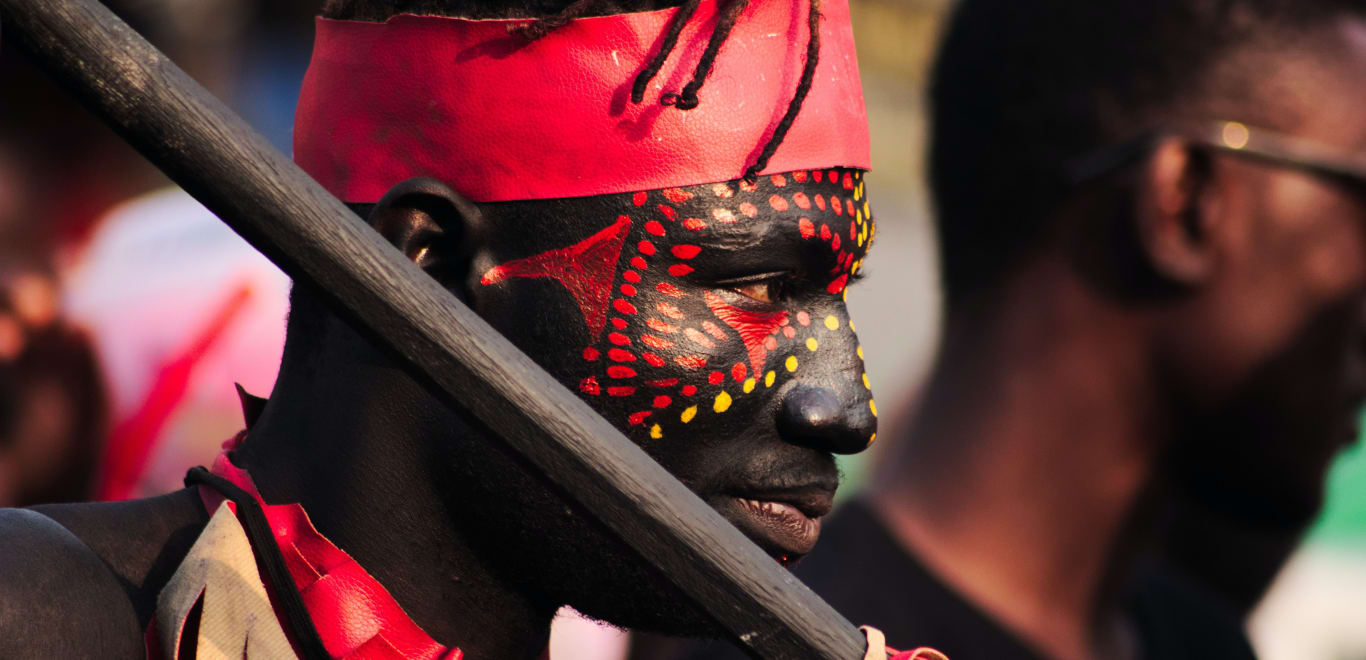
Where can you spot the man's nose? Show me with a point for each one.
(819, 417)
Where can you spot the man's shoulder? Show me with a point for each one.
(141, 542)
(57, 597)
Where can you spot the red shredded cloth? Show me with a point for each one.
(355, 615)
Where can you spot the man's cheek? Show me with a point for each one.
(673, 358)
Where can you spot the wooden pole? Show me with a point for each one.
(279, 209)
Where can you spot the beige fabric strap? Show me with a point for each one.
(237, 621)
(877, 643)
(877, 648)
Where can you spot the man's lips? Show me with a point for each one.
(785, 523)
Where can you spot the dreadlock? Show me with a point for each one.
(687, 99)
(813, 50)
(666, 47)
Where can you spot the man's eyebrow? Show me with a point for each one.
(743, 235)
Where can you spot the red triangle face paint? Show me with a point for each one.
(586, 269)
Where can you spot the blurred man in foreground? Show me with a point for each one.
(1153, 229)
(1153, 226)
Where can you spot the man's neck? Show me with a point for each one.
(362, 469)
(1026, 465)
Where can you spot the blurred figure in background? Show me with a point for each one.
(175, 305)
(1152, 222)
(52, 407)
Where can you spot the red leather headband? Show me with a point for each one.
(500, 118)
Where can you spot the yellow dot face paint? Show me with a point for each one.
(656, 432)
(791, 363)
(851, 326)
(860, 352)
(688, 414)
(769, 378)
(722, 403)
(812, 344)
(749, 385)
(872, 439)
(872, 405)
(865, 382)
(831, 323)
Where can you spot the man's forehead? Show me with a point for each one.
(1318, 85)
(1352, 94)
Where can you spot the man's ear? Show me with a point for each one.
(434, 226)
(1178, 217)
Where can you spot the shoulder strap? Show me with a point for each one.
(253, 519)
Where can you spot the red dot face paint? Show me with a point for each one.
(676, 195)
(694, 306)
(685, 251)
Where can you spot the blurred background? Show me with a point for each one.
(127, 311)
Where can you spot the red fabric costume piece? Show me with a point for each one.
(354, 614)
(585, 269)
(499, 118)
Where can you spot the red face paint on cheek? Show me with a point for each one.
(585, 269)
(753, 327)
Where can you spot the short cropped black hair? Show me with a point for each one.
(1023, 87)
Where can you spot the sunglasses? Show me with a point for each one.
(1235, 138)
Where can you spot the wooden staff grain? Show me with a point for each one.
(312, 236)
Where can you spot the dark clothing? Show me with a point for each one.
(861, 570)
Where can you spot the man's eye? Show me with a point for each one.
(766, 291)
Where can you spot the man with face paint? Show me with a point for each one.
(662, 208)
(1153, 231)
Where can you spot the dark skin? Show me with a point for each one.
(1067, 410)
(744, 378)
